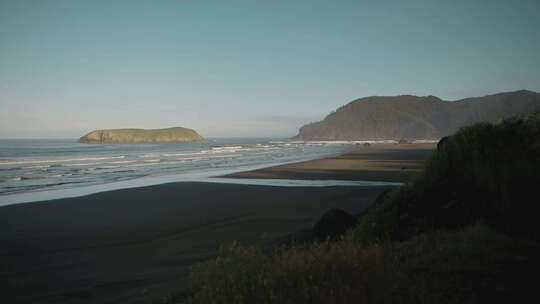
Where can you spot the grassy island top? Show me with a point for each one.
(136, 136)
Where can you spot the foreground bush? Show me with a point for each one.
(475, 265)
(321, 273)
(462, 267)
(483, 172)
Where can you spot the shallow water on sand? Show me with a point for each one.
(31, 169)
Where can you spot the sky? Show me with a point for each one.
(248, 68)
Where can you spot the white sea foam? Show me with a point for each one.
(149, 164)
(226, 148)
(425, 141)
(122, 162)
(151, 155)
(82, 165)
(180, 154)
(38, 167)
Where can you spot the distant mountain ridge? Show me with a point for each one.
(413, 117)
(141, 136)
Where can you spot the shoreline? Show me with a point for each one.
(377, 163)
(51, 194)
(136, 245)
(330, 169)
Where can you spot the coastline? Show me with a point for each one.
(137, 245)
(378, 162)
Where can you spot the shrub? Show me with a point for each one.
(485, 171)
(467, 266)
(474, 265)
(340, 272)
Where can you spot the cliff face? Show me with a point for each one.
(413, 117)
(140, 136)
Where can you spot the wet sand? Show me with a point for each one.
(388, 162)
(136, 245)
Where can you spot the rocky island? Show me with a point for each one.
(141, 136)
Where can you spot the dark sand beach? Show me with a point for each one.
(136, 245)
(381, 162)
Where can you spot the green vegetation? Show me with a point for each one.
(467, 266)
(484, 172)
(321, 273)
(464, 232)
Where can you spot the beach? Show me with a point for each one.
(381, 162)
(137, 245)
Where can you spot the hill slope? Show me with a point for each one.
(413, 117)
(137, 136)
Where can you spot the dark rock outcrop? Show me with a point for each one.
(333, 224)
(442, 142)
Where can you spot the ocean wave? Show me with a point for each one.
(22, 162)
(32, 177)
(181, 154)
(10, 169)
(151, 164)
(99, 163)
(119, 163)
(38, 167)
(192, 158)
(122, 162)
(225, 156)
(150, 155)
(202, 152)
(109, 167)
(226, 148)
(288, 142)
(82, 164)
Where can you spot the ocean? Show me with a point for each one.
(37, 165)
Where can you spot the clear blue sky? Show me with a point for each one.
(248, 67)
